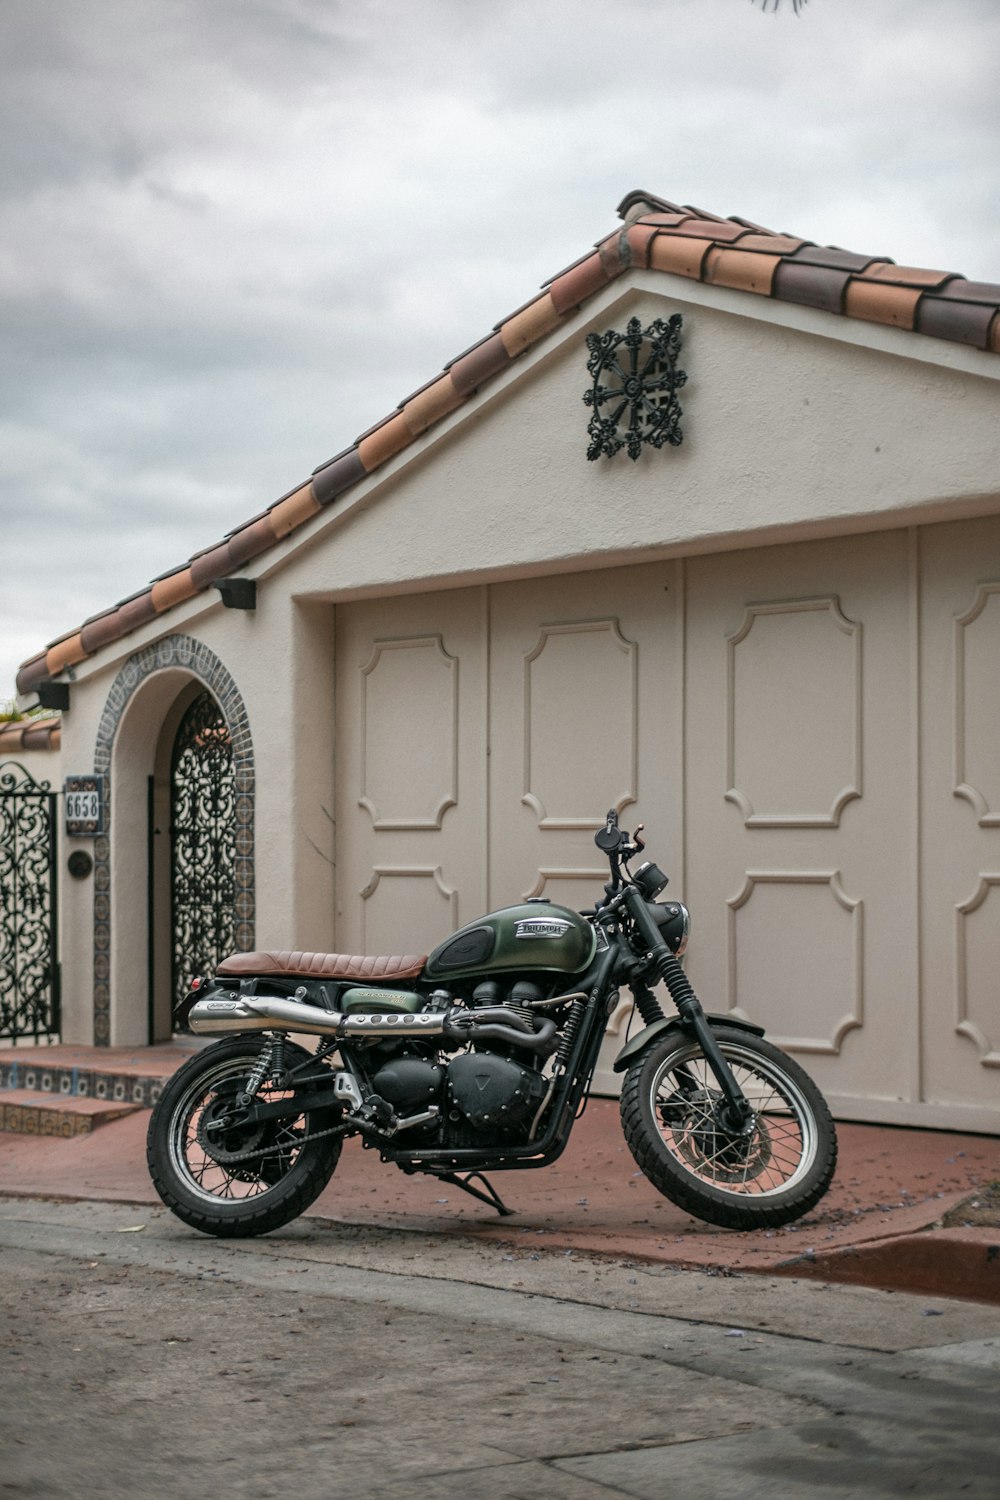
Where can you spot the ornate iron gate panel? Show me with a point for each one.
(29, 962)
(202, 844)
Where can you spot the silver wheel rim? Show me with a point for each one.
(207, 1179)
(785, 1142)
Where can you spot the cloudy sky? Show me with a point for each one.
(238, 232)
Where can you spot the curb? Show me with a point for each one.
(962, 1263)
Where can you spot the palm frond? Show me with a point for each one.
(797, 5)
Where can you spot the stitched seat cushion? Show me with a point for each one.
(321, 966)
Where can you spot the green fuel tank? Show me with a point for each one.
(536, 936)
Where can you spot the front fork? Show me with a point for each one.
(737, 1113)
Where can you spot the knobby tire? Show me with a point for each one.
(679, 1147)
(242, 1201)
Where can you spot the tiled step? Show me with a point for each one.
(65, 1091)
(118, 1075)
(30, 1112)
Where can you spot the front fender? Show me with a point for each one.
(637, 1046)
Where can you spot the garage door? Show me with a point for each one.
(483, 734)
(809, 733)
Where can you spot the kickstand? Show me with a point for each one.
(490, 1196)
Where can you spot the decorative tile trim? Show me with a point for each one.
(67, 1081)
(27, 1119)
(198, 659)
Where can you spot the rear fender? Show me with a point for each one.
(660, 1029)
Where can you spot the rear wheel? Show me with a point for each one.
(228, 1178)
(673, 1115)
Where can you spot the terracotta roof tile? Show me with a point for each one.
(580, 282)
(744, 270)
(962, 322)
(972, 291)
(706, 214)
(98, 632)
(773, 244)
(251, 540)
(135, 612)
(31, 673)
(216, 562)
(384, 442)
(481, 362)
(294, 510)
(173, 589)
(907, 275)
(430, 404)
(811, 286)
(667, 220)
(641, 203)
(336, 476)
(65, 653)
(530, 324)
(721, 232)
(638, 238)
(683, 256)
(30, 734)
(878, 303)
(659, 235)
(836, 260)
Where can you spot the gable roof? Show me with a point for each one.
(657, 235)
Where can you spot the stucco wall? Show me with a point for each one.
(797, 425)
(786, 434)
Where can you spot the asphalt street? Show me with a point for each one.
(331, 1360)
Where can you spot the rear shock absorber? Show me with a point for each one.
(259, 1072)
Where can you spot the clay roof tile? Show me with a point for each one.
(659, 234)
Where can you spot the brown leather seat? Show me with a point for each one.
(321, 966)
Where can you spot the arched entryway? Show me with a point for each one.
(151, 729)
(202, 853)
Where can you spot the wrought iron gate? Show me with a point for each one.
(29, 964)
(202, 844)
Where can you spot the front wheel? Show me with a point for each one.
(673, 1115)
(232, 1179)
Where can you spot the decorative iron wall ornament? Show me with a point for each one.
(635, 385)
(29, 969)
(202, 844)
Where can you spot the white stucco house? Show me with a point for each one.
(770, 633)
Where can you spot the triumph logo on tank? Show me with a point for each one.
(542, 927)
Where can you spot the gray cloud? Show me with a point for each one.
(238, 232)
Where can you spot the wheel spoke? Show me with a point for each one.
(209, 1159)
(687, 1100)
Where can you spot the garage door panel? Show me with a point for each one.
(801, 783)
(409, 698)
(794, 714)
(411, 744)
(960, 813)
(796, 958)
(564, 788)
(585, 675)
(406, 909)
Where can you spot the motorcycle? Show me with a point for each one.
(478, 1057)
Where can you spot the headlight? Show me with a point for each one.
(674, 922)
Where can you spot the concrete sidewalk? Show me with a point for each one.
(908, 1210)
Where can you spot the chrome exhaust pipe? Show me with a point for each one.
(216, 1016)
